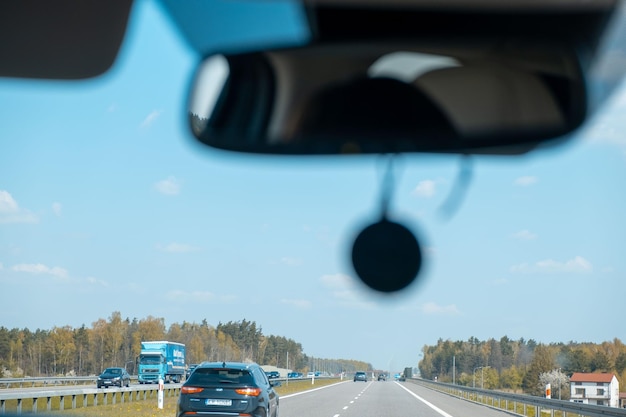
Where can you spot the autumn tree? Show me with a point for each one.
(543, 361)
(61, 346)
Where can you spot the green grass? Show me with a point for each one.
(303, 385)
(147, 408)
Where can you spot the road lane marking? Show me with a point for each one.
(433, 406)
(310, 390)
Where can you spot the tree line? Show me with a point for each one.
(520, 365)
(117, 342)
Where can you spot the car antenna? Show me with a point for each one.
(386, 255)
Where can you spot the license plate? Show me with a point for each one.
(226, 403)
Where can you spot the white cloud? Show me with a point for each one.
(290, 261)
(41, 269)
(186, 296)
(343, 288)
(524, 235)
(302, 304)
(7, 203)
(10, 212)
(434, 308)
(150, 119)
(425, 189)
(178, 248)
(169, 186)
(336, 281)
(576, 265)
(526, 181)
(56, 208)
(96, 281)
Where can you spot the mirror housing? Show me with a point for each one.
(389, 97)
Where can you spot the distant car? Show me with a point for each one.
(112, 377)
(273, 374)
(228, 389)
(310, 374)
(360, 376)
(382, 377)
(294, 375)
(190, 369)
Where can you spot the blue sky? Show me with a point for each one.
(106, 204)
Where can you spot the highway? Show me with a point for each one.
(375, 399)
(348, 399)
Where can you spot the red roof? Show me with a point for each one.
(582, 377)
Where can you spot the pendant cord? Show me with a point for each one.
(388, 185)
(457, 195)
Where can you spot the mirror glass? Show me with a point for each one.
(355, 97)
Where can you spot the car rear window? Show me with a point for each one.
(209, 376)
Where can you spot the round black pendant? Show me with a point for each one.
(386, 256)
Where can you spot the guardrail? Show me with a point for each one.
(47, 380)
(51, 380)
(76, 398)
(525, 405)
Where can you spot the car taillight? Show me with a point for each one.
(190, 390)
(253, 392)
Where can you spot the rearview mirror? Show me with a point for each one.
(501, 97)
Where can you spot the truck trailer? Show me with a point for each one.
(161, 360)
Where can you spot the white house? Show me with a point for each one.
(598, 389)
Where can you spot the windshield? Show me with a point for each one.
(205, 376)
(150, 360)
(106, 194)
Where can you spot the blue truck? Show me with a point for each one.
(161, 360)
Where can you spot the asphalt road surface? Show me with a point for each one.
(379, 399)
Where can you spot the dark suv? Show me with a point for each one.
(360, 376)
(227, 389)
